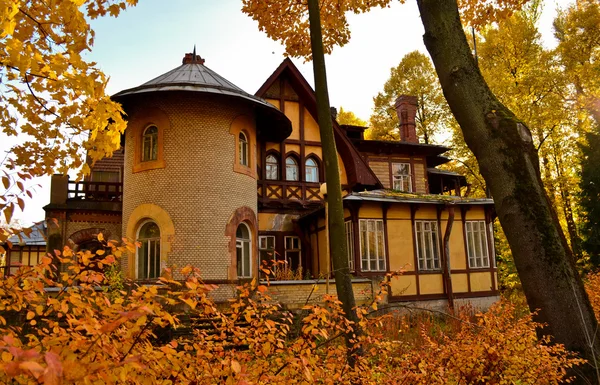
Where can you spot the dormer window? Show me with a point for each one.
(291, 169)
(150, 144)
(311, 171)
(402, 180)
(243, 154)
(272, 168)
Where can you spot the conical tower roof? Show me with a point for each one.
(194, 76)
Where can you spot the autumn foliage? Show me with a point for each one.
(71, 326)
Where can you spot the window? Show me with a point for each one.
(312, 171)
(291, 169)
(150, 144)
(372, 246)
(401, 177)
(149, 251)
(428, 251)
(350, 244)
(242, 243)
(243, 142)
(266, 249)
(292, 252)
(106, 176)
(477, 244)
(272, 168)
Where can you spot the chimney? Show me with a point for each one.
(59, 189)
(406, 108)
(190, 58)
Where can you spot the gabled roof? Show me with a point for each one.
(359, 173)
(194, 76)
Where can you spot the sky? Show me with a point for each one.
(152, 38)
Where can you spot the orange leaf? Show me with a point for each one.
(54, 370)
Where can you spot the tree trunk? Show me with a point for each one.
(509, 163)
(337, 233)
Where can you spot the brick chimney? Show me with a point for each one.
(406, 108)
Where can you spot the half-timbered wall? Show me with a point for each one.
(401, 250)
(304, 143)
(382, 167)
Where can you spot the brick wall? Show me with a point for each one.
(294, 294)
(112, 231)
(197, 187)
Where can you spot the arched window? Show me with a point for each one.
(291, 169)
(272, 168)
(243, 149)
(243, 250)
(149, 251)
(150, 144)
(312, 170)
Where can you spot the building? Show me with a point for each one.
(212, 176)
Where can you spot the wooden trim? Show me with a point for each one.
(425, 297)
(413, 211)
(311, 143)
(463, 214)
(413, 174)
(303, 158)
(384, 210)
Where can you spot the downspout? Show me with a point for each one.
(446, 256)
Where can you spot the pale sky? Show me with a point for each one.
(151, 39)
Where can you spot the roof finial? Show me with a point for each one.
(194, 54)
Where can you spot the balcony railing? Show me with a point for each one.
(95, 191)
(282, 190)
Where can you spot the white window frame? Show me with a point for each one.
(294, 167)
(398, 180)
(349, 227)
(244, 155)
(137, 254)
(239, 245)
(366, 259)
(153, 144)
(271, 168)
(428, 238)
(311, 172)
(294, 250)
(263, 245)
(476, 234)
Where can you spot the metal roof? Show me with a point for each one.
(37, 237)
(396, 196)
(194, 76)
(443, 172)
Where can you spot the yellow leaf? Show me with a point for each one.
(30, 315)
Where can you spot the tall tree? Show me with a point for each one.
(349, 117)
(50, 96)
(297, 24)
(590, 196)
(504, 149)
(527, 78)
(413, 76)
(509, 162)
(577, 29)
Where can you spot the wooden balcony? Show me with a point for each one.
(289, 192)
(95, 191)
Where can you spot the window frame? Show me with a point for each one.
(243, 149)
(477, 261)
(139, 249)
(153, 138)
(402, 178)
(314, 167)
(270, 167)
(239, 245)
(420, 241)
(287, 166)
(380, 257)
(349, 230)
(292, 250)
(265, 248)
